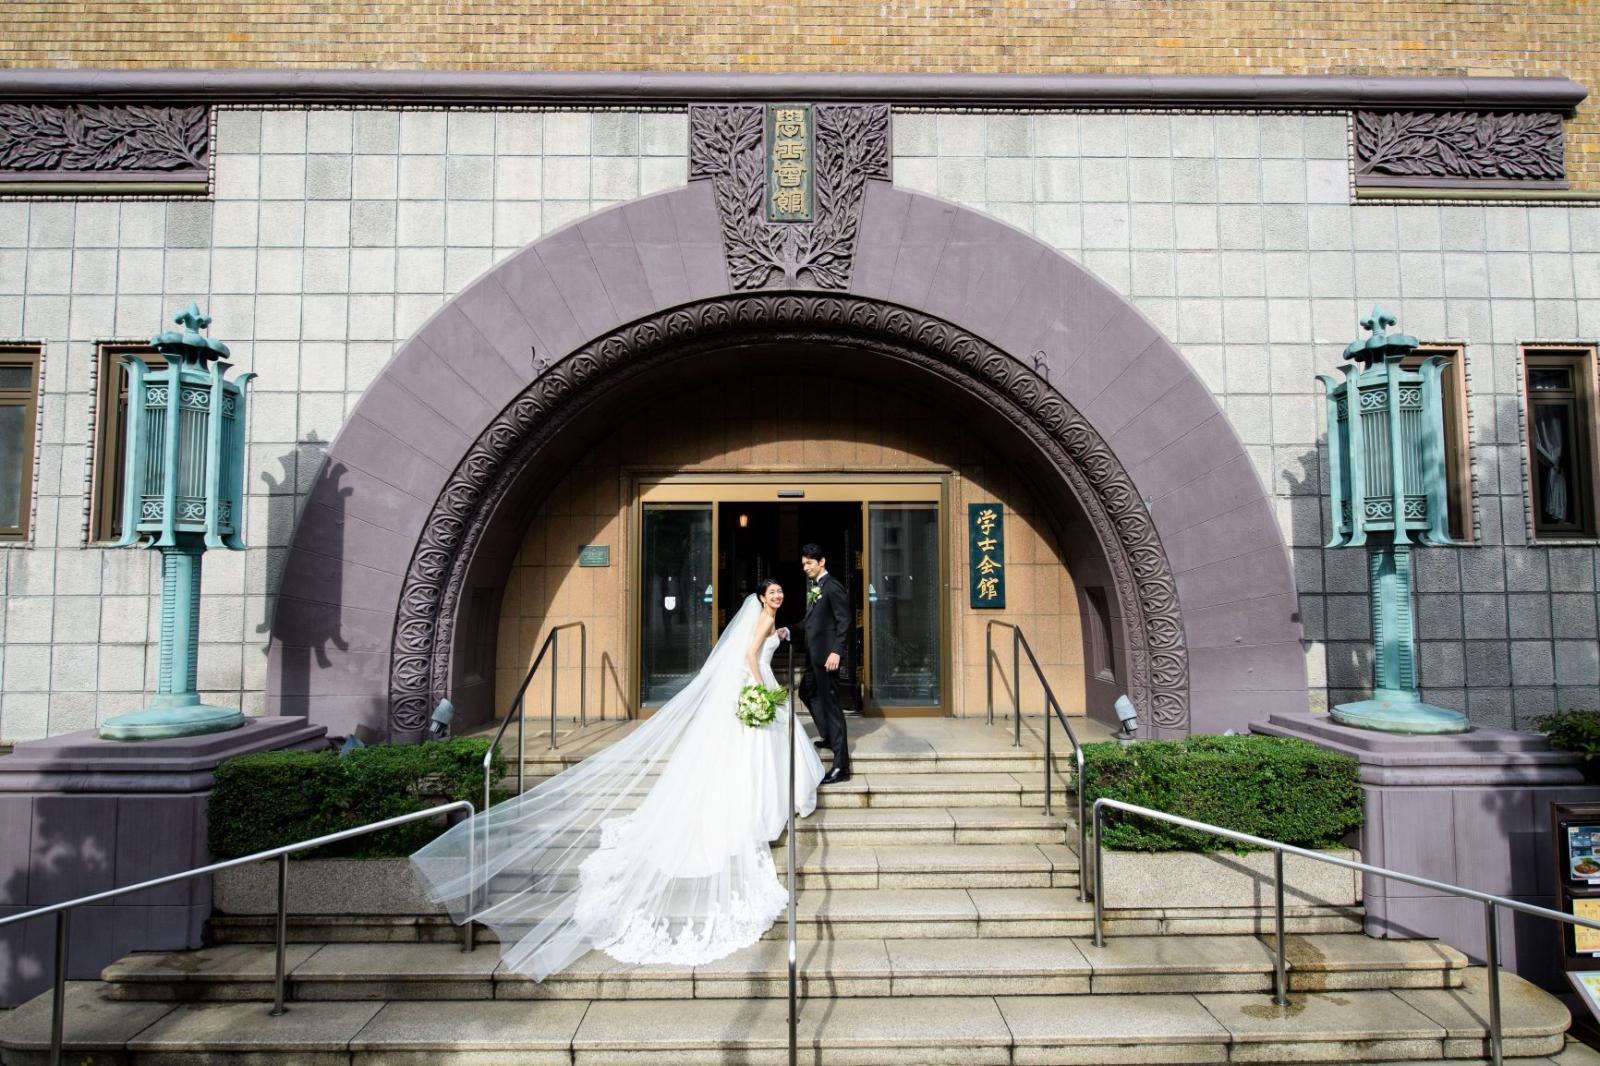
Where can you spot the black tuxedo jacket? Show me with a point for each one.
(827, 622)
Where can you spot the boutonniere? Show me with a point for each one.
(813, 594)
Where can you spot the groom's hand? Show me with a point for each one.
(832, 663)
(783, 633)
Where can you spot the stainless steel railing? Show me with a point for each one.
(794, 952)
(519, 706)
(281, 926)
(1280, 987)
(1052, 706)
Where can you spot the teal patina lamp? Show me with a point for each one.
(184, 493)
(1386, 467)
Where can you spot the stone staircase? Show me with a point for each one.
(939, 923)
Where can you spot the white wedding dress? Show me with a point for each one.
(654, 850)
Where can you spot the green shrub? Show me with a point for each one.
(273, 798)
(1272, 787)
(1574, 731)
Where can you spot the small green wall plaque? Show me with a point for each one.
(789, 163)
(986, 543)
(594, 555)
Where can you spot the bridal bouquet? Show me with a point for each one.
(758, 705)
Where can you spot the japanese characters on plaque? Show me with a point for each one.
(986, 542)
(789, 155)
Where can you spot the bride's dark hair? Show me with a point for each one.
(764, 584)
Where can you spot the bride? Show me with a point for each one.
(655, 849)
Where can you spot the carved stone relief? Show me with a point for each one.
(1465, 148)
(117, 142)
(1158, 663)
(725, 146)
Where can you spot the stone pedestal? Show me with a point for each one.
(80, 815)
(1469, 809)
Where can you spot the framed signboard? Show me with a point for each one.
(1575, 836)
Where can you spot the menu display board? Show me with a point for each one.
(1583, 853)
(1587, 982)
(1586, 941)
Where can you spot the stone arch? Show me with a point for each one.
(426, 478)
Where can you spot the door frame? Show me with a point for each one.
(865, 487)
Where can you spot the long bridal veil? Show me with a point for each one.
(629, 850)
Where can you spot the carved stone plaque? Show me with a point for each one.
(850, 146)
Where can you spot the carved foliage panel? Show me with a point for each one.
(1153, 627)
(113, 142)
(852, 147)
(1459, 148)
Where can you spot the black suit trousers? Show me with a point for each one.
(819, 688)
(827, 628)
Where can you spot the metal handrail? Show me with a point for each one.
(1016, 676)
(1020, 642)
(519, 707)
(61, 910)
(794, 951)
(1491, 902)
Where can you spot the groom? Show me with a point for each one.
(827, 629)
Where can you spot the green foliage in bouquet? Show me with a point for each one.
(758, 705)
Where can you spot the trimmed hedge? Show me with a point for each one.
(1574, 731)
(273, 798)
(1273, 787)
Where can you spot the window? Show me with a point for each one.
(19, 410)
(1457, 436)
(111, 418)
(1559, 390)
(1097, 625)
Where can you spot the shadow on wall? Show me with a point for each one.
(57, 847)
(306, 626)
(1332, 586)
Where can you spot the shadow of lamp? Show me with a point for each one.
(184, 494)
(1387, 481)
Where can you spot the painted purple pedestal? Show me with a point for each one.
(80, 815)
(1471, 809)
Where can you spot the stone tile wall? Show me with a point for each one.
(1237, 236)
(331, 236)
(334, 233)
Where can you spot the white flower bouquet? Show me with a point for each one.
(758, 705)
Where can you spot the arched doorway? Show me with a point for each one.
(427, 489)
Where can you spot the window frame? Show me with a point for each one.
(107, 477)
(1581, 359)
(1458, 477)
(31, 356)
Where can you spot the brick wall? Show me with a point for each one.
(1364, 37)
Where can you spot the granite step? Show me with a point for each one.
(1344, 1027)
(866, 914)
(847, 827)
(930, 789)
(820, 866)
(843, 968)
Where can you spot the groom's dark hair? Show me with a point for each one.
(813, 551)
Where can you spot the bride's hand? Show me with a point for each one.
(783, 632)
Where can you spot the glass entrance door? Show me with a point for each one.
(676, 617)
(903, 602)
(705, 540)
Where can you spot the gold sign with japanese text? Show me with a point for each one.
(986, 535)
(789, 163)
